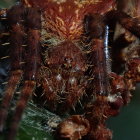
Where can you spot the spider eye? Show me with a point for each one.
(68, 60)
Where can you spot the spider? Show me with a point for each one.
(59, 51)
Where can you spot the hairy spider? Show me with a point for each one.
(59, 51)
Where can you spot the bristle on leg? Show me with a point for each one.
(25, 95)
(11, 88)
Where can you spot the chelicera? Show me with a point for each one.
(60, 53)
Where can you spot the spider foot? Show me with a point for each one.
(73, 128)
(119, 88)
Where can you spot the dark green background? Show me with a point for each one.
(6, 3)
(126, 126)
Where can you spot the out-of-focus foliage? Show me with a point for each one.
(6, 3)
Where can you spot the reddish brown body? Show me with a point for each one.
(63, 44)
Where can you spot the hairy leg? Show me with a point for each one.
(14, 16)
(132, 24)
(32, 63)
(132, 75)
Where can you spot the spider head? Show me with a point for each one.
(68, 55)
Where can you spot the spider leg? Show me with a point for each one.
(128, 22)
(108, 97)
(120, 94)
(32, 60)
(95, 111)
(130, 55)
(96, 29)
(14, 16)
(132, 75)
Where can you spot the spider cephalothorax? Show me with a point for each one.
(59, 52)
(64, 18)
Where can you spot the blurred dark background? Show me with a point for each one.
(126, 126)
